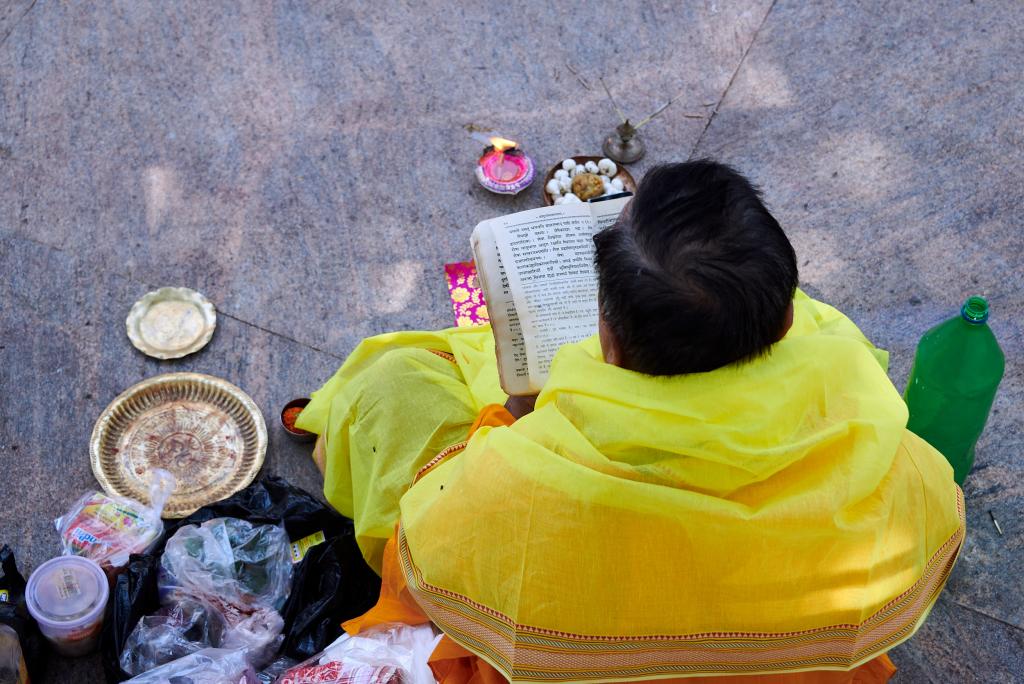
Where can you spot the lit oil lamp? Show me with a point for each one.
(504, 168)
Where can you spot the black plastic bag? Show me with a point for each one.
(324, 586)
(14, 613)
(331, 584)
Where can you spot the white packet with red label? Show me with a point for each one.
(108, 529)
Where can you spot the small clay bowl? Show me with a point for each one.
(628, 184)
(296, 434)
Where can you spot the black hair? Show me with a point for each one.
(696, 274)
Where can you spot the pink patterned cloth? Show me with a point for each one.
(467, 297)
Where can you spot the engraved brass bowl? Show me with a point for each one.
(208, 433)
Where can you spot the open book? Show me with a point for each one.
(537, 273)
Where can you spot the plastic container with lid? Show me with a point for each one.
(68, 596)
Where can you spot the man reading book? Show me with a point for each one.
(719, 483)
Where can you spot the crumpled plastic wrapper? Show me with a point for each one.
(229, 561)
(208, 666)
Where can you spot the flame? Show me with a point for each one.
(501, 144)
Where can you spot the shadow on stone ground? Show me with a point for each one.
(307, 169)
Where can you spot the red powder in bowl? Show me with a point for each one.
(289, 417)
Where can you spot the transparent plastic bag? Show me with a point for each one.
(236, 569)
(190, 625)
(331, 584)
(12, 663)
(387, 654)
(22, 648)
(208, 666)
(259, 632)
(270, 673)
(109, 529)
(171, 633)
(227, 560)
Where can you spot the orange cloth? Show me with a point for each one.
(453, 664)
(492, 415)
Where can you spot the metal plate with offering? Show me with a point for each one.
(208, 433)
(608, 177)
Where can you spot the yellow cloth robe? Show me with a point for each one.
(771, 516)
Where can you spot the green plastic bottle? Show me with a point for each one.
(956, 371)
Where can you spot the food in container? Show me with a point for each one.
(289, 414)
(584, 179)
(587, 186)
(67, 596)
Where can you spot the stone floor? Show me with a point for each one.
(305, 165)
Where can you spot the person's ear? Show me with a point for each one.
(610, 347)
(787, 323)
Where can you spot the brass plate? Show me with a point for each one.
(204, 430)
(171, 322)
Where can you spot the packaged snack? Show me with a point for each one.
(342, 673)
(109, 529)
(387, 654)
(67, 596)
(208, 666)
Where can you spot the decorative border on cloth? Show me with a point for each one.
(525, 653)
(447, 356)
(445, 453)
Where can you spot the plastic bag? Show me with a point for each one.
(189, 625)
(269, 674)
(331, 583)
(392, 653)
(220, 584)
(14, 616)
(258, 632)
(13, 669)
(228, 560)
(109, 529)
(171, 633)
(208, 666)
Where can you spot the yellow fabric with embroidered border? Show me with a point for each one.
(773, 514)
(767, 516)
(390, 408)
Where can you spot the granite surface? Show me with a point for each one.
(306, 166)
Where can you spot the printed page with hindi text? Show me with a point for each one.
(548, 256)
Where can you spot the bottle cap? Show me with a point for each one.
(975, 310)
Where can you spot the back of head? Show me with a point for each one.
(696, 274)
